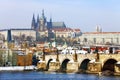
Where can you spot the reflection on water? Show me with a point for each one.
(51, 76)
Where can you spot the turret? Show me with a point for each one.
(98, 29)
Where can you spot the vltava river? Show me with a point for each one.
(33, 75)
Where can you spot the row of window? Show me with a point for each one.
(103, 40)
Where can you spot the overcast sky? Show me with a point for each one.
(82, 14)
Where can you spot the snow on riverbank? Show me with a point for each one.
(17, 68)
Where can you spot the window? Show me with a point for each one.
(117, 41)
(94, 40)
(85, 39)
(103, 40)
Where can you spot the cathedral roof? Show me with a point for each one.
(58, 24)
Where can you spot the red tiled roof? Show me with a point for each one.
(65, 29)
(77, 29)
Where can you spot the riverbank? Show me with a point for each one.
(17, 68)
(32, 68)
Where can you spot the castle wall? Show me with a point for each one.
(19, 32)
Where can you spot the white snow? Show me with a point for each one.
(54, 60)
(17, 68)
(92, 61)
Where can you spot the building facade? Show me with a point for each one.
(100, 38)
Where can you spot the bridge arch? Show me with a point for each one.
(109, 64)
(84, 64)
(64, 64)
(47, 66)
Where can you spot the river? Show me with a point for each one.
(35, 75)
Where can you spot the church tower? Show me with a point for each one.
(50, 26)
(43, 22)
(38, 23)
(33, 24)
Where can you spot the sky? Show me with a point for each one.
(82, 14)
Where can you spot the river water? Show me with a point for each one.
(35, 75)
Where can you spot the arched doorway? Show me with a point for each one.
(84, 64)
(47, 67)
(109, 65)
(64, 65)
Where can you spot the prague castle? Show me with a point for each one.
(48, 28)
(40, 29)
(43, 29)
(41, 24)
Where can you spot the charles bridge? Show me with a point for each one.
(91, 63)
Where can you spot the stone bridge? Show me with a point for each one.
(92, 63)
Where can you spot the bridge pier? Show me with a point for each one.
(72, 67)
(54, 66)
(117, 67)
(94, 67)
(41, 65)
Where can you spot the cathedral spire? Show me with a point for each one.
(38, 21)
(33, 19)
(38, 18)
(50, 24)
(33, 22)
(43, 12)
(50, 19)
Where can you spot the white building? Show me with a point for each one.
(17, 33)
(100, 38)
